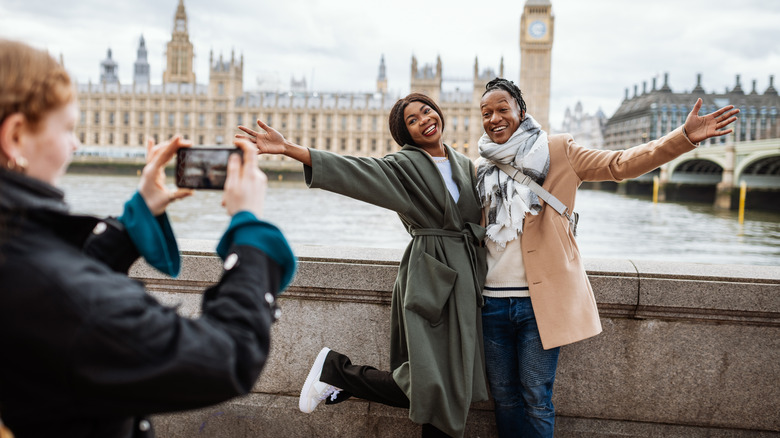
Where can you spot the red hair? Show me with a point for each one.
(31, 82)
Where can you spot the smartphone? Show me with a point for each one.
(203, 168)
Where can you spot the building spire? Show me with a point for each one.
(382, 69)
(381, 80)
(698, 89)
(141, 67)
(771, 90)
(109, 70)
(665, 87)
(180, 19)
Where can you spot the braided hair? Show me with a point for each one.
(509, 87)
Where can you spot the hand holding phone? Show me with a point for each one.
(152, 186)
(203, 168)
(246, 185)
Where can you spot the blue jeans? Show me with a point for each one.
(520, 372)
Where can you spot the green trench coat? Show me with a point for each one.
(436, 324)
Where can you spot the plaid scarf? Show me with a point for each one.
(526, 150)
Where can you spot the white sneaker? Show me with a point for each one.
(314, 391)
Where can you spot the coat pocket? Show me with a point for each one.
(429, 287)
(561, 225)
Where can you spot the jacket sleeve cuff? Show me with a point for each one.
(685, 133)
(152, 236)
(246, 229)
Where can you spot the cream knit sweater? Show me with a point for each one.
(506, 272)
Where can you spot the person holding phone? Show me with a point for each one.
(537, 294)
(436, 340)
(85, 351)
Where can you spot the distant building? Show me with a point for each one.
(115, 114)
(652, 113)
(587, 129)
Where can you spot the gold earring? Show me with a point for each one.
(20, 163)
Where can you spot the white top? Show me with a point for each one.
(446, 172)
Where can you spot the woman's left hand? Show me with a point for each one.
(152, 186)
(700, 128)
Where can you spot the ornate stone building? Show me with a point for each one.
(652, 113)
(124, 115)
(587, 129)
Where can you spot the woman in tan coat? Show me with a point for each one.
(537, 294)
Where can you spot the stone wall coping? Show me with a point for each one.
(601, 266)
(340, 254)
(623, 288)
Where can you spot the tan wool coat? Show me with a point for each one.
(562, 298)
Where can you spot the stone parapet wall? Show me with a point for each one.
(688, 350)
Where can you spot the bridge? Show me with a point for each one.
(724, 167)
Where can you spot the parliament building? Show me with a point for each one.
(650, 114)
(118, 115)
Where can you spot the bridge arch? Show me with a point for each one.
(760, 170)
(697, 171)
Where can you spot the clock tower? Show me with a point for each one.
(536, 40)
(179, 51)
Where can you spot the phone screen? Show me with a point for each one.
(203, 168)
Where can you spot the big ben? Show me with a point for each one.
(536, 40)
(179, 52)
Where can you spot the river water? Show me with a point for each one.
(611, 225)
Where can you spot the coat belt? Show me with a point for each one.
(472, 236)
(473, 233)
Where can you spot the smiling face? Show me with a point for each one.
(424, 125)
(49, 145)
(501, 115)
(38, 112)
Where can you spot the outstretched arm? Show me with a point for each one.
(699, 128)
(270, 141)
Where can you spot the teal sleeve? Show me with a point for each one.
(246, 229)
(152, 236)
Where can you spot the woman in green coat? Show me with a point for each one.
(436, 330)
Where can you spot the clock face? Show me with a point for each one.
(537, 29)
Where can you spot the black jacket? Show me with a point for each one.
(86, 352)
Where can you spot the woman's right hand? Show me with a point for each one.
(269, 141)
(245, 184)
(152, 186)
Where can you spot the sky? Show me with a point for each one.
(601, 47)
